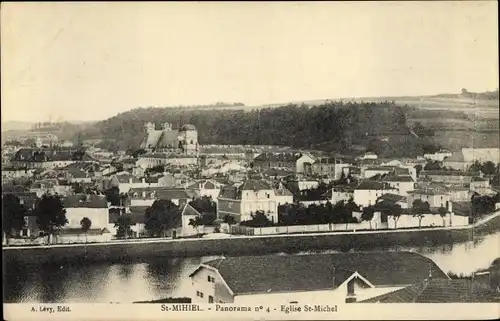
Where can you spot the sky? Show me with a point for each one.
(91, 61)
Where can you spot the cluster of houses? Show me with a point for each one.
(242, 182)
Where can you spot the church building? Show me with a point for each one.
(168, 140)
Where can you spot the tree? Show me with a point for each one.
(13, 213)
(475, 167)
(259, 219)
(488, 168)
(113, 196)
(123, 223)
(50, 214)
(161, 216)
(420, 208)
(229, 219)
(368, 213)
(195, 223)
(442, 212)
(77, 188)
(85, 223)
(207, 207)
(389, 209)
(433, 165)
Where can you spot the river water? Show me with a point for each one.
(168, 277)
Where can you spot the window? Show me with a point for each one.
(211, 279)
(199, 294)
(210, 299)
(268, 195)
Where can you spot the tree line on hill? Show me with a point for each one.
(336, 124)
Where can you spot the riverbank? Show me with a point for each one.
(137, 250)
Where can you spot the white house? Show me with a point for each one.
(145, 196)
(188, 213)
(41, 187)
(368, 191)
(479, 184)
(435, 197)
(128, 182)
(340, 193)
(95, 208)
(246, 199)
(210, 188)
(314, 279)
(402, 184)
(438, 156)
(368, 155)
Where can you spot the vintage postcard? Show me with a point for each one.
(250, 160)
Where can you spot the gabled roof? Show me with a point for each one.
(281, 190)
(279, 157)
(429, 191)
(439, 291)
(206, 184)
(289, 273)
(12, 189)
(446, 173)
(138, 209)
(85, 200)
(372, 185)
(175, 194)
(392, 198)
(398, 179)
(188, 210)
(255, 185)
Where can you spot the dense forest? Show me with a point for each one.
(334, 126)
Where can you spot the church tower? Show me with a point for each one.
(149, 126)
(189, 139)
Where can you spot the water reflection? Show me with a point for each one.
(166, 277)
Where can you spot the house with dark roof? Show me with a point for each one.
(78, 206)
(387, 170)
(206, 187)
(318, 278)
(479, 184)
(394, 199)
(47, 158)
(433, 290)
(145, 196)
(435, 197)
(253, 195)
(368, 191)
(402, 184)
(451, 177)
(330, 167)
(340, 193)
(295, 162)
